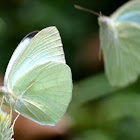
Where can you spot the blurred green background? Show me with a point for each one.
(98, 111)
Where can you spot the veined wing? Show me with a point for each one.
(17, 52)
(43, 92)
(44, 46)
(121, 54)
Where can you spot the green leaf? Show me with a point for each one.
(92, 88)
(93, 135)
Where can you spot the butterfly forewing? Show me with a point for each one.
(44, 46)
(24, 42)
(128, 12)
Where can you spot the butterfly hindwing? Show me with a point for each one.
(43, 92)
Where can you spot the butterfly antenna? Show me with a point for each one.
(87, 10)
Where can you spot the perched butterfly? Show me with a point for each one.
(38, 83)
(120, 43)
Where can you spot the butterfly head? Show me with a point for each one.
(105, 22)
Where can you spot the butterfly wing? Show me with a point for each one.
(119, 36)
(43, 92)
(17, 52)
(39, 82)
(121, 53)
(44, 46)
(128, 12)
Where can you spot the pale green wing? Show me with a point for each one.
(45, 46)
(130, 11)
(43, 92)
(22, 45)
(121, 50)
(119, 36)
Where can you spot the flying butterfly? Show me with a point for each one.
(120, 43)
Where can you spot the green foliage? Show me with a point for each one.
(113, 111)
(92, 88)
